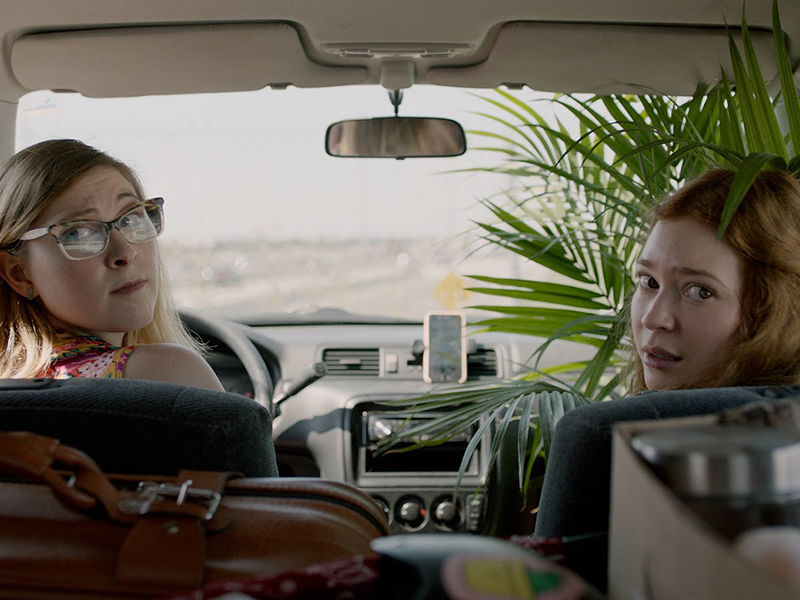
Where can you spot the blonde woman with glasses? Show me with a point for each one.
(84, 292)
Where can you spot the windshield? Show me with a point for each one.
(261, 222)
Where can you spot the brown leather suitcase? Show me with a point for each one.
(77, 533)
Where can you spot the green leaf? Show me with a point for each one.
(497, 136)
(609, 387)
(598, 367)
(789, 91)
(539, 297)
(552, 406)
(731, 128)
(473, 445)
(760, 124)
(571, 330)
(537, 447)
(523, 435)
(750, 168)
(766, 120)
(527, 243)
(794, 166)
(583, 325)
(753, 133)
(541, 286)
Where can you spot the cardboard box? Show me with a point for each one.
(661, 550)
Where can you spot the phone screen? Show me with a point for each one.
(445, 357)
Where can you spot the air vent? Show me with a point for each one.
(355, 362)
(481, 363)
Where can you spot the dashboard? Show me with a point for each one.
(330, 428)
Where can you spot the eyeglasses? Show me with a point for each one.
(78, 240)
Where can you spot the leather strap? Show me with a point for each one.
(31, 457)
(163, 550)
(167, 544)
(208, 480)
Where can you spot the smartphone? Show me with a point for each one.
(445, 356)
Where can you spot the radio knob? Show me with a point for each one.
(447, 514)
(411, 513)
(384, 506)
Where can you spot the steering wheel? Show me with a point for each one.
(230, 335)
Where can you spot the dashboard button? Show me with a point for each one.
(447, 514)
(411, 513)
(384, 506)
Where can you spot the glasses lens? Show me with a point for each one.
(155, 212)
(141, 224)
(83, 239)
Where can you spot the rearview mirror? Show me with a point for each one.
(396, 137)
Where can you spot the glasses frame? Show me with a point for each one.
(35, 234)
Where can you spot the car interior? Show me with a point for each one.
(304, 387)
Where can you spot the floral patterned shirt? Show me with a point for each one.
(87, 356)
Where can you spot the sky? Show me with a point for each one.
(252, 165)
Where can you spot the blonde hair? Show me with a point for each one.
(765, 233)
(30, 181)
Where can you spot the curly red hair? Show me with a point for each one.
(765, 233)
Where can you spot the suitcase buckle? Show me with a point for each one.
(168, 497)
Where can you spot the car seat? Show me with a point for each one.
(575, 498)
(144, 427)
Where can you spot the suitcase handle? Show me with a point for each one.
(31, 457)
(157, 520)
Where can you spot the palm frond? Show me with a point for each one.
(582, 182)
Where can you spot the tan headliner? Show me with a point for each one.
(135, 47)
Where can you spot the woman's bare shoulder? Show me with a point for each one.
(172, 363)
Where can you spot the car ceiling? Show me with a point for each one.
(107, 48)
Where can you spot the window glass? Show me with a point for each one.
(261, 221)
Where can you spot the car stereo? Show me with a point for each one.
(441, 458)
(415, 487)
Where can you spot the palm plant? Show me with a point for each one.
(576, 208)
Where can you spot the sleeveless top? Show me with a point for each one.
(87, 356)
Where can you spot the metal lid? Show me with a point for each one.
(757, 464)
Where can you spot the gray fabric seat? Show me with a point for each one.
(575, 496)
(145, 427)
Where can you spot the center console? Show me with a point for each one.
(416, 488)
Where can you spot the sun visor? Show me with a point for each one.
(141, 61)
(605, 59)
